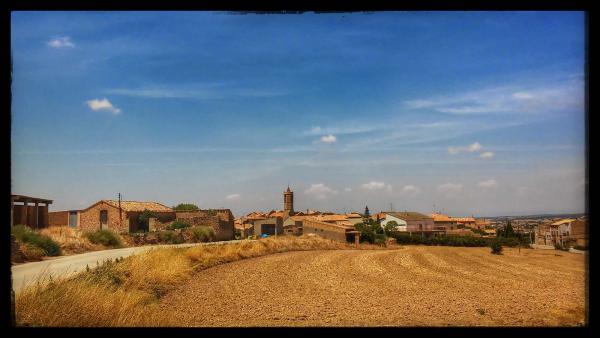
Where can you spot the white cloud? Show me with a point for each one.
(470, 148)
(374, 185)
(474, 147)
(491, 183)
(450, 187)
(410, 189)
(320, 191)
(347, 189)
(233, 197)
(487, 154)
(508, 99)
(522, 96)
(328, 139)
(63, 42)
(103, 104)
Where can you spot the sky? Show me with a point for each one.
(466, 113)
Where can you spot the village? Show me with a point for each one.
(123, 217)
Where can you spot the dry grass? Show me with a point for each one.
(71, 241)
(126, 293)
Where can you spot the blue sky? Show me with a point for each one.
(474, 112)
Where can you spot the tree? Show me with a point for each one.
(367, 215)
(185, 207)
(390, 227)
(509, 232)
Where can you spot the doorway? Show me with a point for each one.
(103, 219)
(73, 219)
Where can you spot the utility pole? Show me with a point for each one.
(120, 216)
(391, 207)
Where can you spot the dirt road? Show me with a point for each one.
(412, 286)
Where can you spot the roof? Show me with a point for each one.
(441, 218)
(332, 218)
(29, 199)
(137, 206)
(409, 216)
(563, 221)
(463, 219)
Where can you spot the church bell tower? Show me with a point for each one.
(288, 200)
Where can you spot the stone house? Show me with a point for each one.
(336, 232)
(221, 220)
(121, 216)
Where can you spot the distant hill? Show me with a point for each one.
(540, 216)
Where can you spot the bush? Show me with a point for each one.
(185, 207)
(170, 237)
(203, 234)
(104, 237)
(32, 238)
(178, 225)
(557, 246)
(496, 247)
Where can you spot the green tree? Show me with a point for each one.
(509, 232)
(185, 207)
(366, 215)
(390, 227)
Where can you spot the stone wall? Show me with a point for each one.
(90, 218)
(326, 230)
(220, 220)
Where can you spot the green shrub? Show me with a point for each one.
(557, 246)
(25, 235)
(178, 225)
(104, 237)
(170, 237)
(185, 207)
(203, 234)
(496, 247)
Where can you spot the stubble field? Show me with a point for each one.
(410, 286)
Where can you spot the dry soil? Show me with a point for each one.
(410, 286)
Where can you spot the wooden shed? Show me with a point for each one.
(30, 211)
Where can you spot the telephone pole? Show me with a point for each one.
(120, 216)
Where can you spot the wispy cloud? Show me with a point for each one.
(329, 138)
(104, 105)
(320, 191)
(375, 185)
(347, 128)
(491, 183)
(62, 42)
(513, 99)
(470, 148)
(450, 188)
(233, 197)
(410, 189)
(487, 154)
(212, 91)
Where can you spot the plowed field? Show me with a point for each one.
(410, 286)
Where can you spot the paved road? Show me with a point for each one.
(67, 265)
(410, 286)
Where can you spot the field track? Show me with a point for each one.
(410, 286)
